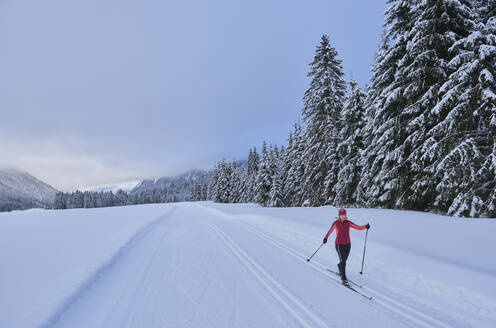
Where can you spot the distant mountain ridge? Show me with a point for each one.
(125, 186)
(178, 187)
(21, 190)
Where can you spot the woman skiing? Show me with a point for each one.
(343, 243)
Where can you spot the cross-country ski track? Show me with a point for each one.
(206, 265)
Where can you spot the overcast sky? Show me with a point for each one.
(95, 92)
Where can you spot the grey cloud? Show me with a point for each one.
(94, 92)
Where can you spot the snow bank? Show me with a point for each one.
(48, 256)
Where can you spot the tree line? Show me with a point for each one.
(421, 136)
(94, 199)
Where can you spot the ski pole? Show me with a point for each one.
(308, 259)
(364, 246)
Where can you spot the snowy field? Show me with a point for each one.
(217, 265)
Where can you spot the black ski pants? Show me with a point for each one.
(343, 252)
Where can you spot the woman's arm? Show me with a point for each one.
(357, 227)
(333, 226)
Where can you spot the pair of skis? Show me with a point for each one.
(349, 285)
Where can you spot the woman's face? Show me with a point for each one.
(342, 217)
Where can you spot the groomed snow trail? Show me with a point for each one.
(199, 266)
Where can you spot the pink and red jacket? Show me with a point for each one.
(342, 228)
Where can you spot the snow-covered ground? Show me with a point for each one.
(217, 265)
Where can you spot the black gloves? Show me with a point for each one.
(325, 241)
(367, 226)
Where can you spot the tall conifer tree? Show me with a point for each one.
(349, 150)
(461, 143)
(296, 167)
(264, 178)
(323, 103)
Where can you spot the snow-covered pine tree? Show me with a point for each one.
(384, 104)
(60, 201)
(192, 196)
(251, 177)
(286, 166)
(88, 199)
(276, 193)
(283, 173)
(396, 172)
(204, 190)
(273, 159)
(253, 159)
(121, 198)
(224, 182)
(295, 167)
(264, 178)
(350, 148)
(235, 181)
(213, 189)
(488, 175)
(195, 191)
(438, 25)
(462, 142)
(276, 190)
(485, 186)
(247, 185)
(332, 154)
(286, 163)
(242, 184)
(198, 190)
(109, 198)
(323, 103)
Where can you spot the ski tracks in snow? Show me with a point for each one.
(416, 317)
(134, 294)
(295, 307)
(381, 301)
(104, 268)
